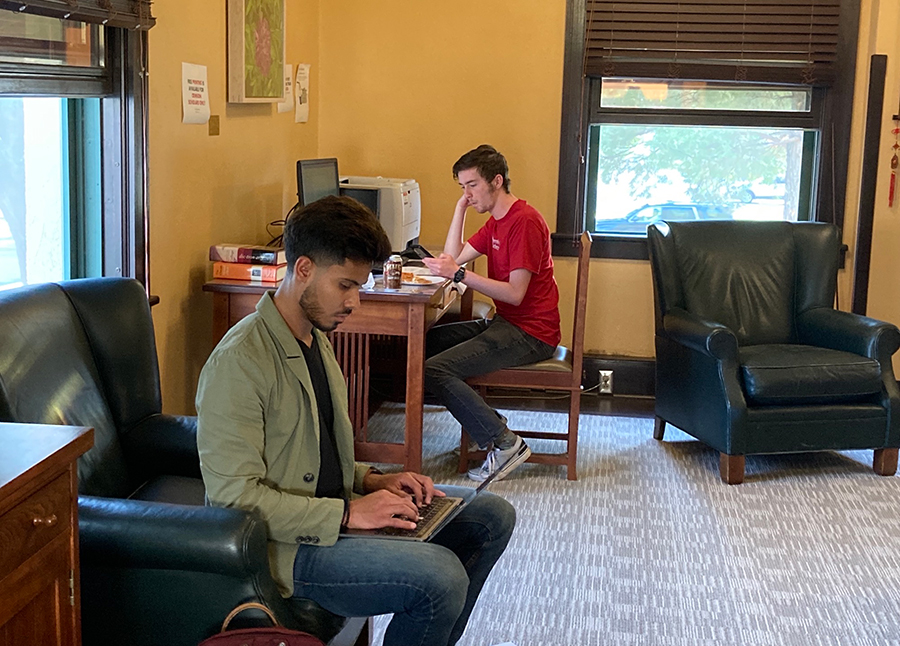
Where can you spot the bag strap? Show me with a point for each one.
(247, 606)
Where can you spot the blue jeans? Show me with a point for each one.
(430, 587)
(457, 351)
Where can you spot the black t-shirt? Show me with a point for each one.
(331, 481)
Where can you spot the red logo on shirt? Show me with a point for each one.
(495, 243)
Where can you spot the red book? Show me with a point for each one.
(246, 271)
(250, 254)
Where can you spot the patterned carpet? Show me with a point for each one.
(650, 548)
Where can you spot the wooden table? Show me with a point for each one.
(39, 600)
(409, 312)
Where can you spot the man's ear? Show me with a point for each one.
(497, 182)
(303, 268)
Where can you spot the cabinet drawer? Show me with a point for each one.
(33, 523)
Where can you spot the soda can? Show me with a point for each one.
(393, 268)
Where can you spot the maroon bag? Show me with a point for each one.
(263, 636)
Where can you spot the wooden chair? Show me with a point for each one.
(561, 372)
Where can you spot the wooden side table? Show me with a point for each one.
(39, 581)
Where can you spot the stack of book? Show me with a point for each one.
(253, 263)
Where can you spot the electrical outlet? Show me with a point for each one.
(606, 382)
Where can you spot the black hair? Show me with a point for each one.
(487, 161)
(332, 230)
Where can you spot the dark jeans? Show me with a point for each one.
(430, 587)
(457, 351)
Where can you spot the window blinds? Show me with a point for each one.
(786, 41)
(128, 14)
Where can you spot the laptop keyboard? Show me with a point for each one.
(430, 515)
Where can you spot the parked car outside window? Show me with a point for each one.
(637, 221)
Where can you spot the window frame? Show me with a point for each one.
(121, 86)
(635, 247)
(828, 181)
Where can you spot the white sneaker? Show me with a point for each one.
(501, 461)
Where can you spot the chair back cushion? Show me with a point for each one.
(753, 277)
(48, 376)
(781, 375)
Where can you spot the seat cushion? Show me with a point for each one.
(561, 361)
(780, 374)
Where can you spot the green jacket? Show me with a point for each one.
(258, 435)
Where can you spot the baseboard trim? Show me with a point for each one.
(632, 376)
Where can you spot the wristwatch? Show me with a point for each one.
(460, 275)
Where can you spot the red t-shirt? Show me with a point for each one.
(521, 240)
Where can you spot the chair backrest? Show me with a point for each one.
(753, 277)
(77, 353)
(581, 294)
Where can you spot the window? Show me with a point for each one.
(72, 140)
(691, 110)
(679, 150)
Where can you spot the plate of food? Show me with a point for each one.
(414, 279)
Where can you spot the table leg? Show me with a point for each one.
(221, 315)
(415, 373)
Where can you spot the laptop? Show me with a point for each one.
(433, 518)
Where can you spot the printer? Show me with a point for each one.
(396, 202)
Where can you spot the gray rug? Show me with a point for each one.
(650, 548)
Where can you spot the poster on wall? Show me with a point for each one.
(194, 96)
(288, 104)
(301, 89)
(256, 44)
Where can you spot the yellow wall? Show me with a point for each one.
(401, 88)
(407, 87)
(879, 27)
(205, 190)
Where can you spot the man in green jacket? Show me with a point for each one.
(274, 436)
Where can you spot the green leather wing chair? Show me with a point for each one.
(157, 565)
(752, 357)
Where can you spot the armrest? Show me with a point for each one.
(138, 534)
(830, 328)
(163, 444)
(169, 574)
(712, 339)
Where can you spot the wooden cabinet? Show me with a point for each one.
(39, 599)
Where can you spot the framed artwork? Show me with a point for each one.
(256, 43)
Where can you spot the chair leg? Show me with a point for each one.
(885, 462)
(572, 439)
(659, 427)
(463, 465)
(731, 468)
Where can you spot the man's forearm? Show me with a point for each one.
(454, 244)
(495, 289)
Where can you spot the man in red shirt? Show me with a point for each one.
(519, 279)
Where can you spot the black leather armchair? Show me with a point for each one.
(751, 356)
(157, 566)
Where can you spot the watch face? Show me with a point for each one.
(459, 275)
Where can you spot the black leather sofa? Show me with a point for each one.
(157, 566)
(752, 357)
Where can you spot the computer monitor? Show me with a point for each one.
(316, 178)
(368, 197)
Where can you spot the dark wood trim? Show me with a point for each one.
(618, 247)
(632, 376)
(829, 182)
(868, 184)
(125, 249)
(572, 144)
(832, 185)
